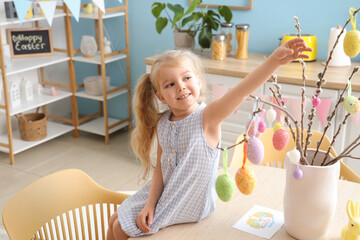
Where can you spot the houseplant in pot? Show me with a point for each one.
(187, 24)
(310, 195)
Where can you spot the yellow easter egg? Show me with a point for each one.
(352, 43)
(277, 126)
(245, 180)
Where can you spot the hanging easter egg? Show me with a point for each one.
(261, 127)
(280, 139)
(294, 156)
(297, 174)
(351, 104)
(352, 43)
(251, 128)
(225, 187)
(316, 102)
(277, 126)
(255, 151)
(251, 132)
(245, 180)
(271, 115)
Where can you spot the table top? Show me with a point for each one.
(336, 77)
(268, 193)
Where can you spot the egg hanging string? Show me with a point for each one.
(246, 148)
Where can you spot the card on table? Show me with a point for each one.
(261, 221)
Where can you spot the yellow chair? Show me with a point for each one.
(66, 204)
(274, 158)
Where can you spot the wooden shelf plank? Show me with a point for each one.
(97, 126)
(104, 16)
(83, 94)
(38, 101)
(97, 58)
(10, 21)
(54, 130)
(30, 63)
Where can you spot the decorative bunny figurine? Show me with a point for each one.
(352, 230)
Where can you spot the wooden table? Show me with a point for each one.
(268, 193)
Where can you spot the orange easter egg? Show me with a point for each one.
(245, 180)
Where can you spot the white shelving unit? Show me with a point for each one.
(11, 142)
(100, 123)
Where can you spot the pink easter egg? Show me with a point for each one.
(280, 139)
(261, 127)
(251, 130)
(316, 102)
(256, 150)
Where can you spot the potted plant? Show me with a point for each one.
(187, 23)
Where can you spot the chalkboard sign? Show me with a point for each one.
(26, 42)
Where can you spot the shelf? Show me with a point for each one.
(97, 58)
(19, 65)
(104, 16)
(10, 21)
(53, 130)
(38, 101)
(83, 94)
(97, 126)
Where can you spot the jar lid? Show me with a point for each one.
(242, 26)
(218, 37)
(227, 25)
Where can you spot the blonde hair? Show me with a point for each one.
(146, 105)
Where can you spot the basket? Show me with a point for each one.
(32, 126)
(94, 86)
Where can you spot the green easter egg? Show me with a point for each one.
(225, 187)
(351, 105)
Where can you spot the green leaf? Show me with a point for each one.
(160, 24)
(225, 12)
(192, 7)
(157, 8)
(211, 22)
(178, 13)
(205, 38)
(187, 20)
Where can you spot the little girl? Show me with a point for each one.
(182, 188)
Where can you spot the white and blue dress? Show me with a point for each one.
(189, 168)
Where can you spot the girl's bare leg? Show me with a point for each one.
(115, 232)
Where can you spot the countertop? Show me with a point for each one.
(291, 73)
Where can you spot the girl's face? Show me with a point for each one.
(179, 88)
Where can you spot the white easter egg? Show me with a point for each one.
(271, 115)
(294, 156)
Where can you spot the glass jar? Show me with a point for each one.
(228, 30)
(242, 37)
(218, 47)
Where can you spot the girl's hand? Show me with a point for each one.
(290, 51)
(145, 218)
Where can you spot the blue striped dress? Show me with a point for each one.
(189, 168)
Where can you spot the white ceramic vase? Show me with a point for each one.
(88, 46)
(310, 203)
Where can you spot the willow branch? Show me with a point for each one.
(330, 117)
(283, 105)
(346, 151)
(298, 146)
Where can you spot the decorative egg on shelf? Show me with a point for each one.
(245, 180)
(256, 150)
(88, 46)
(225, 187)
(280, 139)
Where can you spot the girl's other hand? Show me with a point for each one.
(290, 51)
(145, 218)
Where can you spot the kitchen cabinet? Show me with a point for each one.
(100, 122)
(10, 141)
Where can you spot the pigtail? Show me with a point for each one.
(147, 115)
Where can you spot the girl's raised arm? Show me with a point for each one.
(221, 108)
